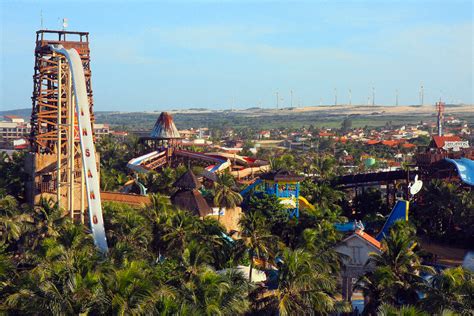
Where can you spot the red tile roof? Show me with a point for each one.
(368, 238)
(325, 134)
(440, 140)
(391, 143)
(372, 142)
(408, 145)
(342, 139)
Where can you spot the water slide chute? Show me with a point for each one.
(250, 187)
(399, 211)
(139, 164)
(89, 162)
(465, 169)
(305, 203)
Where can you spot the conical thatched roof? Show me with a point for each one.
(164, 127)
(187, 181)
(191, 200)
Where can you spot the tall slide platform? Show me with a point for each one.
(62, 162)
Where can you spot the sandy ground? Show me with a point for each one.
(447, 255)
(345, 110)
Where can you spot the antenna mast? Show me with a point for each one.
(440, 106)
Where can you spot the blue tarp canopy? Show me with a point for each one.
(465, 168)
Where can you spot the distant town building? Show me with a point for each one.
(13, 128)
(101, 130)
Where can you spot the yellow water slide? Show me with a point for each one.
(304, 203)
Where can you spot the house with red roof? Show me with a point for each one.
(355, 250)
(440, 141)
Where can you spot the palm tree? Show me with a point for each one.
(452, 289)
(388, 310)
(129, 232)
(7, 274)
(255, 238)
(302, 289)
(64, 281)
(13, 221)
(159, 203)
(224, 194)
(324, 166)
(323, 196)
(131, 290)
(177, 228)
(196, 258)
(397, 271)
(209, 293)
(376, 287)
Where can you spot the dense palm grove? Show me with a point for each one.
(163, 260)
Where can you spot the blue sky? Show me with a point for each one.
(158, 55)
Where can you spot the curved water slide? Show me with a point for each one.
(145, 163)
(465, 169)
(249, 171)
(155, 159)
(220, 164)
(304, 203)
(254, 166)
(89, 162)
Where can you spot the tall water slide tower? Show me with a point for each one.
(54, 162)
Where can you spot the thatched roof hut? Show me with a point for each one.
(187, 181)
(188, 196)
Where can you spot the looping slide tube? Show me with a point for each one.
(89, 162)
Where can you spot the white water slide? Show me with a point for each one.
(89, 162)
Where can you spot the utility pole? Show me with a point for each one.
(373, 96)
(335, 96)
(422, 95)
(396, 97)
(277, 98)
(291, 98)
(350, 97)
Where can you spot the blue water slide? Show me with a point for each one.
(345, 227)
(465, 168)
(250, 187)
(399, 211)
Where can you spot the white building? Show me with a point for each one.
(355, 251)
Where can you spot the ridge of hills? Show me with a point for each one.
(319, 116)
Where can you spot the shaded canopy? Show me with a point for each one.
(282, 175)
